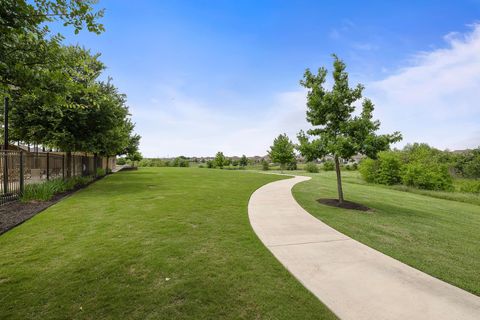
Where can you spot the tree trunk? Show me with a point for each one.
(69, 164)
(339, 180)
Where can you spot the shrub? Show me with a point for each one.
(385, 170)
(46, 190)
(181, 162)
(311, 167)
(210, 164)
(368, 169)
(265, 165)
(100, 172)
(389, 168)
(145, 163)
(292, 165)
(121, 161)
(328, 165)
(468, 185)
(430, 176)
(43, 191)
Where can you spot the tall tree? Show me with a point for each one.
(339, 132)
(219, 160)
(282, 151)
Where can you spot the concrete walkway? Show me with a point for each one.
(353, 280)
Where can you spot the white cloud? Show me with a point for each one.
(174, 124)
(436, 99)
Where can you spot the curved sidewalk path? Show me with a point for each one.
(352, 279)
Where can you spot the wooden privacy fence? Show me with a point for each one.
(19, 168)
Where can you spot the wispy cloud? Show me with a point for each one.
(435, 99)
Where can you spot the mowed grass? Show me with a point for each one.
(440, 237)
(159, 243)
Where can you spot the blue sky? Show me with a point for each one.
(207, 76)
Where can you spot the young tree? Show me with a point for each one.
(282, 151)
(339, 132)
(243, 161)
(219, 160)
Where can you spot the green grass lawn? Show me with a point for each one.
(158, 243)
(438, 236)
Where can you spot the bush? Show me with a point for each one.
(368, 169)
(429, 176)
(328, 165)
(181, 162)
(101, 172)
(389, 168)
(385, 170)
(46, 190)
(265, 165)
(468, 185)
(311, 167)
(43, 191)
(210, 164)
(121, 161)
(292, 165)
(145, 163)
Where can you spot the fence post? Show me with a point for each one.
(95, 165)
(22, 180)
(63, 166)
(48, 165)
(5, 172)
(5, 147)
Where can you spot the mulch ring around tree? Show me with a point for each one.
(345, 205)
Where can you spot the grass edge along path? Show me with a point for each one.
(437, 236)
(167, 243)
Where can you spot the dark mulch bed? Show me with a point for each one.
(345, 204)
(15, 213)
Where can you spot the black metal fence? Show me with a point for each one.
(19, 168)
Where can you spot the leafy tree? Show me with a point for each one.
(28, 51)
(339, 132)
(219, 160)
(135, 157)
(243, 161)
(468, 164)
(282, 151)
